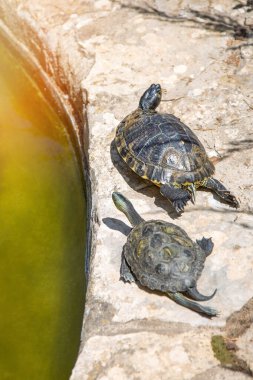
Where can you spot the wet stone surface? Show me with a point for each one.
(114, 52)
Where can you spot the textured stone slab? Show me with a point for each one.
(114, 53)
(245, 344)
(145, 356)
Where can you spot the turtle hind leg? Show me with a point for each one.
(178, 196)
(183, 301)
(206, 245)
(125, 271)
(218, 188)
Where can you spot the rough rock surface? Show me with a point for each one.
(245, 344)
(113, 51)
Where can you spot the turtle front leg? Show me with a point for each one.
(178, 196)
(215, 185)
(183, 301)
(125, 271)
(206, 245)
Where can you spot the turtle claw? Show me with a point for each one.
(179, 205)
(231, 200)
(217, 186)
(128, 277)
(177, 196)
(192, 190)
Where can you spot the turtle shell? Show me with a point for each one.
(163, 257)
(159, 147)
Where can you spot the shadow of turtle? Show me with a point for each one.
(139, 184)
(117, 225)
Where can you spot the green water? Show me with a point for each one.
(42, 234)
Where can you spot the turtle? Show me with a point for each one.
(162, 149)
(161, 256)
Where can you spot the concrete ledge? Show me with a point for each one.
(113, 52)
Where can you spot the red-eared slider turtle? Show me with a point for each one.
(160, 148)
(161, 256)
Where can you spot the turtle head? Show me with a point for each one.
(125, 206)
(151, 97)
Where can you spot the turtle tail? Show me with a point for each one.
(125, 206)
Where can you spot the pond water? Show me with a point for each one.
(42, 238)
